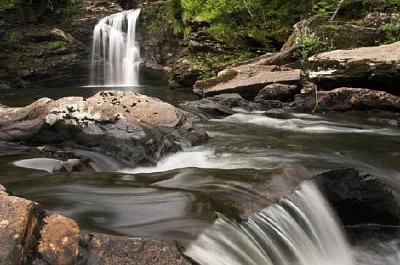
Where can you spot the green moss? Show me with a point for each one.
(309, 44)
(390, 32)
(3, 22)
(211, 65)
(53, 45)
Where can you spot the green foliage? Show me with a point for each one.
(325, 8)
(309, 44)
(3, 22)
(53, 45)
(8, 4)
(331, 29)
(390, 32)
(71, 8)
(234, 21)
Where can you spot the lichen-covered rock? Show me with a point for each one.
(59, 242)
(127, 125)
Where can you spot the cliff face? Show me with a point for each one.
(47, 42)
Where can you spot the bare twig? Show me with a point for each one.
(336, 10)
(316, 100)
(248, 8)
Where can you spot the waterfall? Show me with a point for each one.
(300, 230)
(115, 52)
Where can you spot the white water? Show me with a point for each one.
(301, 230)
(116, 53)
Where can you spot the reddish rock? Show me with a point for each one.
(106, 249)
(18, 221)
(59, 243)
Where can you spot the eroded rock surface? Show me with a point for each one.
(127, 125)
(371, 67)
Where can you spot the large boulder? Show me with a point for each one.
(127, 125)
(345, 98)
(359, 198)
(370, 67)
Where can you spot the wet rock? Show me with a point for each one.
(59, 242)
(359, 198)
(234, 100)
(211, 107)
(370, 67)
(268, 104)
(247, 80)
(278, 91)
(129, 126)
(223, 104)
(106, 249)
(18, 222)
(279, 114)
(345, 98)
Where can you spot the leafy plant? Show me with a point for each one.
(390, 32)
(308, 44)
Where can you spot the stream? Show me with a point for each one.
(249, 161)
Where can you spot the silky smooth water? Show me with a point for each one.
(249, 161)
(116, 52)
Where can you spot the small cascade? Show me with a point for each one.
(116, 53)
(300, 230)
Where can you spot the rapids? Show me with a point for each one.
(250, 160)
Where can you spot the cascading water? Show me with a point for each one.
(116, 53)
(301, 230)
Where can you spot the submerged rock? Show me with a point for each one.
(127, 125)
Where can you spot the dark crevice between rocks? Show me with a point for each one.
(84, 243)
(34, 227)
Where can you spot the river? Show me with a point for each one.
(249, 161)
